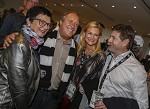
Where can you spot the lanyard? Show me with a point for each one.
(109, 70)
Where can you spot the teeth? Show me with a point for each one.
(70, 30)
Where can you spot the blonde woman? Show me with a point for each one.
(88, 66)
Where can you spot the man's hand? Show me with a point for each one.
(100, 105)
(8, 40)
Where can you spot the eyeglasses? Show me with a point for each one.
(42, 23)
(35, 3)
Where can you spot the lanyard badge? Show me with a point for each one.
(96, 96)
(71, 90)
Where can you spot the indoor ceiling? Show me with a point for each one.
(108, 12)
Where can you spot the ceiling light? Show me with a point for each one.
(55, 4)
(134, 6)
(129, 20)
(62, 4)
(95, 5)
(112, 6)
(71, 5)
(46, 4)
(148, 34)
(82, 5)
(84, 22)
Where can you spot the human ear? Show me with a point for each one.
(126, 42)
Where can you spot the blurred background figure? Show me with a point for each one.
(21, 9)
(77, 34)
(137, 46)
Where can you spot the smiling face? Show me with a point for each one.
(37, 27)
(69, 26)
(92, 36)
(116, 45)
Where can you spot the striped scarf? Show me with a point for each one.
(46, 58)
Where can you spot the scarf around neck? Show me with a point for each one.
(31, 36)
(46, 58)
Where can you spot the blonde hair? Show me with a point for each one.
(82, 43)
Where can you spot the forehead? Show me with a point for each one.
(36, 1)
(93, 29)
(44, 17)
(115, 33)
(72, 16)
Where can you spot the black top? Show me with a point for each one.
(93, 67)
(12, 23)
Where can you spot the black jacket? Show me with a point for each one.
(93, 67)
(19, 74)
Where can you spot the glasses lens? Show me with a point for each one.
(42, 22)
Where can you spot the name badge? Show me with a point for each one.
(96, 96)
(71, 90)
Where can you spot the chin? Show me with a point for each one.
(41, 35)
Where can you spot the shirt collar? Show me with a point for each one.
(121, 56)
(59, 38)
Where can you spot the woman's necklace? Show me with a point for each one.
(84, 58)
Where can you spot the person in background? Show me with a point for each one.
(14, 21)
(19, 64)
(12, 10)
(146, 63)
(5, 13)
(87, 68)
(77, 34)
(143, 61)
(57, 57)
(137, 46)
(123, 79)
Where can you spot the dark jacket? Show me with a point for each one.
(93, 67)
(19, 74)
(12, 23)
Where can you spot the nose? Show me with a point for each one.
(109, 40)
(92, 36)
(72, 25)
(46, 27)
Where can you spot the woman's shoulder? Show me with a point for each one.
(101, 55)
(21, 39)
(20, 42)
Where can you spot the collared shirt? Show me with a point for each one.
(127, 80)
(114, 60)
(59, 60)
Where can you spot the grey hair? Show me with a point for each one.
(65, 15)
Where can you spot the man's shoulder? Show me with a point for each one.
(51, 34)
(16, 15)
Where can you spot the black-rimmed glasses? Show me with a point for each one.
(42, 23)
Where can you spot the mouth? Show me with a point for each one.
(71, 30)
(43, 31)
